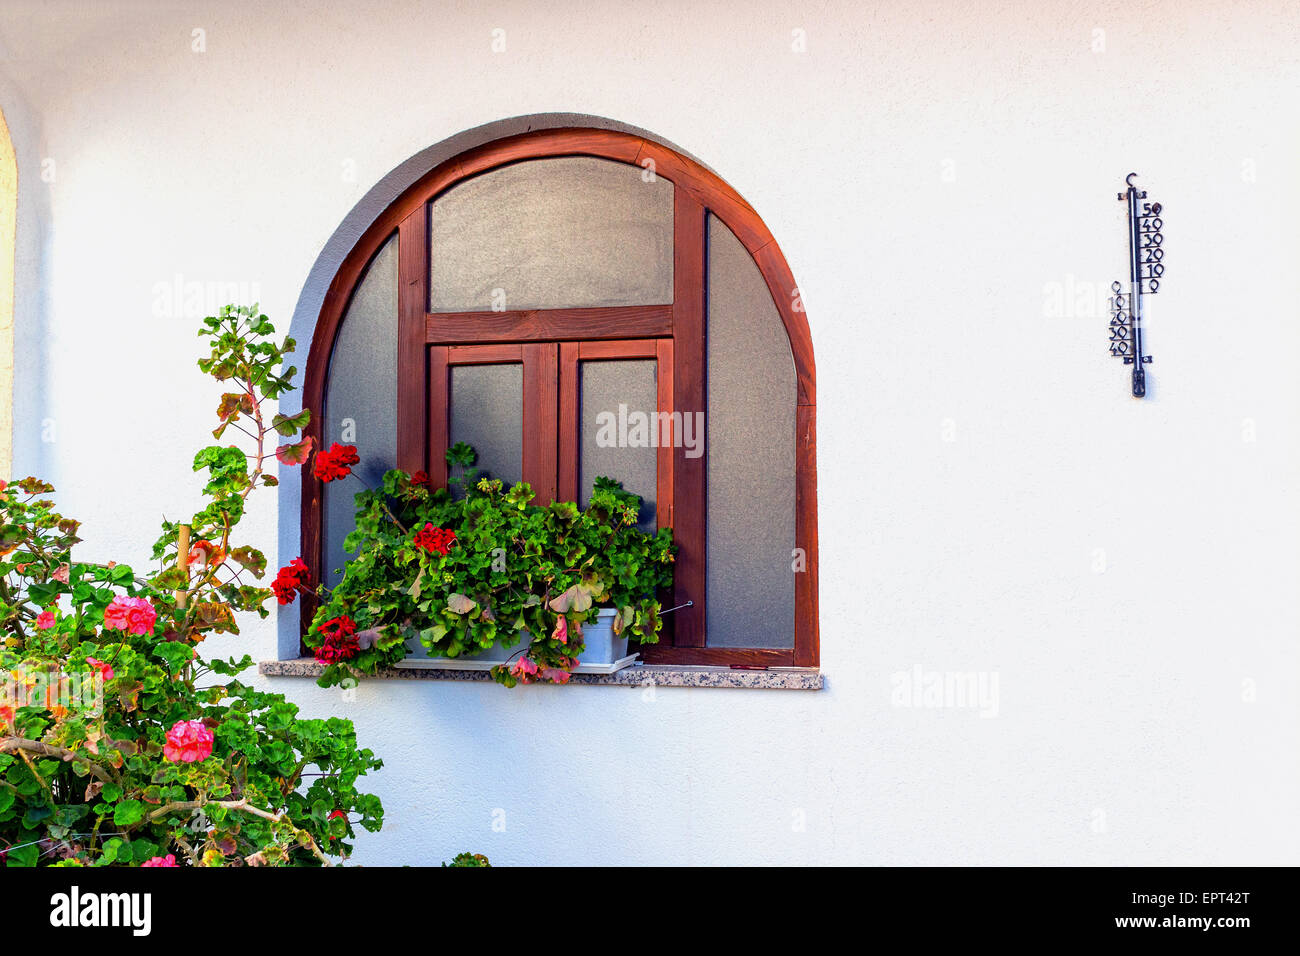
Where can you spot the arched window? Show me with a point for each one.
(582, 302)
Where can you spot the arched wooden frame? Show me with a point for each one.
(697, 193)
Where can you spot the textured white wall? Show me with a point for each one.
(934, 173)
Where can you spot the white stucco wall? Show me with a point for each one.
(941, 177)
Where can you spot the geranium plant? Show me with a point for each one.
(462, 568)
(119, 742)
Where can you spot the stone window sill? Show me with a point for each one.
(637, 675)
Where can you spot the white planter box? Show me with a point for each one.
(602, 647)
(603, 652)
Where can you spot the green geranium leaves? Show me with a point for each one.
(127, 813)
(124, 744)
(512, 571)
(227, 469)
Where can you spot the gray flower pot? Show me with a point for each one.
(602, 647)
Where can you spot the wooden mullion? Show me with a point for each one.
(484, 354)
(549, 325)
(664, 451)
(438, 416)
(690, 475)
(412, 305)
(664, 467)
(541, 419)
(311, 515)
(569, 440)
(620, 349)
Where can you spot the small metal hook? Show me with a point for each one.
(678, 607)
(1129, 180)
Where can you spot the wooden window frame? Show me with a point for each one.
(538, 399)
(551, 342)
(574, 353)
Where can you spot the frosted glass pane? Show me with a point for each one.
(487, 412)
(618, 430)
(750, 448)
(361, 399)
(552, 233)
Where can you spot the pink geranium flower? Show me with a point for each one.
(44, 620)
(168, 860)
(130, 614)
(105, 670)
(188, 741)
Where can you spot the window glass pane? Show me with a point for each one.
(552, 233)
(619, 429)
(487, 412)
(361, 399)
(750, 439)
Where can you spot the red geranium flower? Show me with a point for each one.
(434, 539)
(338, 640)
(336, 463)
(419, 478)
(341, 626)
(289, 579)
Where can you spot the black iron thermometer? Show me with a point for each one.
(1146, 266)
